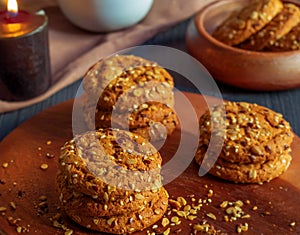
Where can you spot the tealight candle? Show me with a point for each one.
(24, 53)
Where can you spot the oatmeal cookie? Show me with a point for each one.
(156, 118)
(282, 23)
(119, 224)
(253, 135)
(137, 78)
(252, 18)
(253, 172)
(97, 161)
(105, 206)
(288, 42)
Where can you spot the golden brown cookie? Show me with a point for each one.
(253, 135)
(281, 24)
(103, 206)
(109, 163)
(156, 118)
(252, 18)
(288, 42)
(253, 172)
(129, 222)
(129, 78)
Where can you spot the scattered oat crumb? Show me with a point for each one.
(13, 205)
(49, 142)
(5, 164)
(39, 148)
(2, 208)
(167, 231)
(165, 222)
(292, 224)
(266, 213)
(242, 228)
(49, 155)
(211, 215)
(44, 166)
(210, 193)
(68, 232)
(19, 229)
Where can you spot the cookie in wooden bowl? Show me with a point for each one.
(289, 42)
(246, 22)
(279, 26)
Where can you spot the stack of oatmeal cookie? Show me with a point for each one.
(110, 181)
(131, 93)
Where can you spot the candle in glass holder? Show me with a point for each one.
(24, 53)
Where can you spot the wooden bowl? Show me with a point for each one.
(246, 69)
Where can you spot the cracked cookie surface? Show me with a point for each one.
(253, 136)
(282, 23)
(246, 22)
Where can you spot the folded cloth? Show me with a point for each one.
(73, 51)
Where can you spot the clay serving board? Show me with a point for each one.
(23, 182)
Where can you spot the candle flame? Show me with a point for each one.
(12, 8)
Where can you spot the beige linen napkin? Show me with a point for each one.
(73, 51)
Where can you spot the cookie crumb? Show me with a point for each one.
(13, 205)
(50, 155)
(68, 232)
(5, 164)
(19, 229)
(292, 224)
(44, 166)
(242, 228)
(211, 215)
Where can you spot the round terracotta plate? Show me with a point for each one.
(273, 208)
